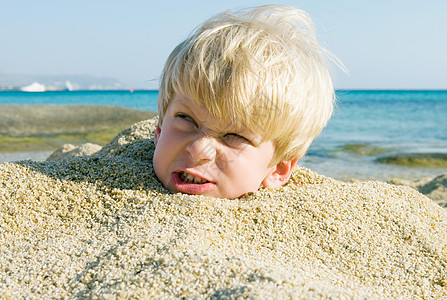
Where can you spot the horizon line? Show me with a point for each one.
(156, 90)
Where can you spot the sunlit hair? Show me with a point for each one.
(261, 68)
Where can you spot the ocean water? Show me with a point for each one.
(367, 127)
(142, 100)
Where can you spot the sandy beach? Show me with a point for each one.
(37, 128)
(102, 226)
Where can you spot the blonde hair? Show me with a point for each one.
(261, 68)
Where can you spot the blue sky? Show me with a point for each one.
(385, 44)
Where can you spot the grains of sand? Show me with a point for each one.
(102, 226)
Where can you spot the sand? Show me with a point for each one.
(433, 187)
(31, 120)
(102, 226)
(26, 130)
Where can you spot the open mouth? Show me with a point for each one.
(188, 178)
(191, 184)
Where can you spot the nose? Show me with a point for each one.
(202, 149)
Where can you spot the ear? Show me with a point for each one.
(157, 134)
(280, 173)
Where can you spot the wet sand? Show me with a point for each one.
(102, 226)
(30, 120)
(34, 128)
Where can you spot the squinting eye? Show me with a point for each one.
(187, 118)
(234, 140)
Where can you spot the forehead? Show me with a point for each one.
(199, 111)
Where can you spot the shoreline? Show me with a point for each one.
(25, 155)
(31, 128)
(356, 169)
(46, 120)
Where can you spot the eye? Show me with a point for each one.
(235, 140)
(184, 118)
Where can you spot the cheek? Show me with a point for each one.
(162, 155)
(256, 166)
(169, 146)
(158, 160)
(246, 169)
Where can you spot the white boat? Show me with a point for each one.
(69, 85)
(33, 87)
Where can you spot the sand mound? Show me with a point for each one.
(101, 225)
(433, 187)
(436, 189)
(69, 151)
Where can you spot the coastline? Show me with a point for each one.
(31, 120)
(25, 155)
(34, 128)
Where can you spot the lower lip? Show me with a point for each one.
(191, 188)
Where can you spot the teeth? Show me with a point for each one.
(198, 180)
(191, 179)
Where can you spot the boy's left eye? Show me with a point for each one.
(235, 140)
(187, 118)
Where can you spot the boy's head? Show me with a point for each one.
(260, 70)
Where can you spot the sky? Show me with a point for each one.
(384, 44)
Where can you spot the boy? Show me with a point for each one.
(240, 102)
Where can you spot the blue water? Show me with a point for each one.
(142, 100)
(395, 121)
(410, 120)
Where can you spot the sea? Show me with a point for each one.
(373, 134)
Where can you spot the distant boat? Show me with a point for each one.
(69, 86)
(33, 87)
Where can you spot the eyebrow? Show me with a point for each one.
(245, 132)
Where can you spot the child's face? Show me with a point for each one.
(196, 153)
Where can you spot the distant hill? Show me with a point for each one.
(14, 81)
